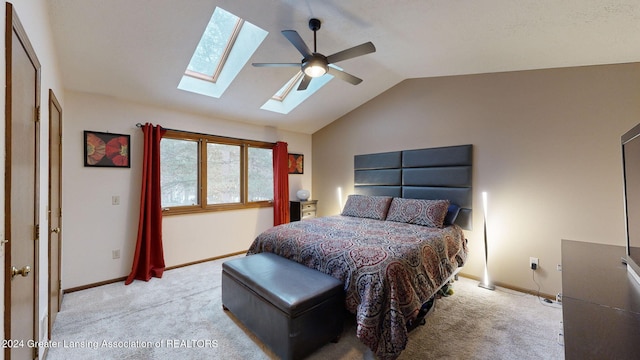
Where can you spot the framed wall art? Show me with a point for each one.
(106, 150)
(296, 164)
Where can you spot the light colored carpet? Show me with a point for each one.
(180, 317)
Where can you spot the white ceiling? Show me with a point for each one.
(138, 49)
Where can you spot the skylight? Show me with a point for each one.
(224, 48)
(288, 97)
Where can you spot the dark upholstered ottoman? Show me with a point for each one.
(293, 309)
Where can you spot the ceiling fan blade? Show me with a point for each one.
(297, 41)
(275, 64)
(344, 76)
(304, 83)
(350, 53)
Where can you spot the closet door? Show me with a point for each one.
(21, 191)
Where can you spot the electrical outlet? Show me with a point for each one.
(532, 261)
(559, 267)
(559, 297)
(115, 254)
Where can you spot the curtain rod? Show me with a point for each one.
(139, 125)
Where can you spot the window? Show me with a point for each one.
(179, 172)
(226, 45)
(209, 173)
(214, 46)
(223, 173)
(288, 97)
(260, 181)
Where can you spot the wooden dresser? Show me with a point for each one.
(600, 303)
(301, 210)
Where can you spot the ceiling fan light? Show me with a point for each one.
(314, 68)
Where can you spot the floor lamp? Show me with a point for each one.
(485, 283)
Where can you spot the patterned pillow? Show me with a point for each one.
(417, 211)
(366, 206)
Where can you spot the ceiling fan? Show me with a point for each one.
(314, 64)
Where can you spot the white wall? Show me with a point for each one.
(92, 227)
(546, 149)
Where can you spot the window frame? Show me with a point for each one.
(203, 140)
(231, 41)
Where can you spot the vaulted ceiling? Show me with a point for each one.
(138, 49)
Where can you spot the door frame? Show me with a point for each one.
(54, 105)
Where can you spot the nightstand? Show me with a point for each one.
(301, 210)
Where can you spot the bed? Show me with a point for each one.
(398, 239)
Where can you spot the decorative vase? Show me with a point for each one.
(303, 195)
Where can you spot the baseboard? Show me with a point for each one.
(468, 276)
(511, 287)
(206, 260)
(107, 282)
(89, 286)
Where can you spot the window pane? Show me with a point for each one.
(179, 172)
(223, 174)
(260, 174)
(213, 42)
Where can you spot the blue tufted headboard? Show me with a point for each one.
(434, 173)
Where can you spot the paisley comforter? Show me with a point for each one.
(389, 269)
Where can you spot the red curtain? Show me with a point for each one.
(280, 184)
(148, 260)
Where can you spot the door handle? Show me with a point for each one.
(55, 230)
(24, 271)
